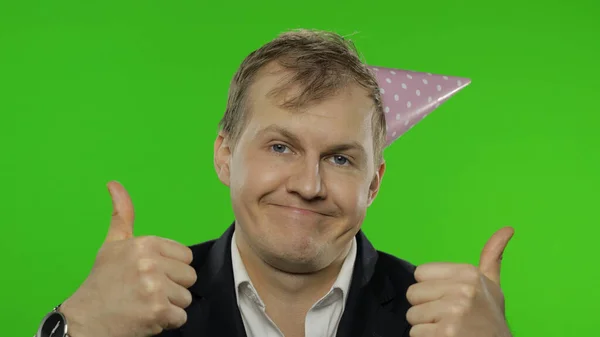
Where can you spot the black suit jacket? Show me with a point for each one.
(376, 305)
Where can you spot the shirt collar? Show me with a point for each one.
(240, 275)
(342, 282)
(344, 278)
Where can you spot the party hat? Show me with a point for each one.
(409, 96)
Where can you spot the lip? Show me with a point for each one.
(299, 211)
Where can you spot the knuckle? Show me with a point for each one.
(450, 330)
(145, 244)
(190, 275)
(159, 313)
(187, 299)
(180, 319)
(189, 255)
(466, 304)
(468, 290)
(410, 315)
(472, 274)
(458, 309)
(150, 287)
(146, 265)
(156, 329)
(171, 317)
(193, 276)
(418, 273)
(410, 293)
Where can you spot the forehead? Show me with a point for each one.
(345, 115)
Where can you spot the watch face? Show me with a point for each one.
(53, 326)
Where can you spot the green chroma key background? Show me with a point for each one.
(133, 91)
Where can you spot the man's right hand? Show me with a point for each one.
(137, 286)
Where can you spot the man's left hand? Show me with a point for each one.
(458, 300)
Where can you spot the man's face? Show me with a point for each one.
(301, 182)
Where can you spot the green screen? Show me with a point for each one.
(92, 91)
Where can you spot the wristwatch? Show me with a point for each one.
(54, 324)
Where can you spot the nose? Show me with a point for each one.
(306, 180)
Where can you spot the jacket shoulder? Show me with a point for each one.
(201, 252)
(399, 271)
(202, 248)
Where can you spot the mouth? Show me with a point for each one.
(300, 211)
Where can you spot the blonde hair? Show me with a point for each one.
(322, 63)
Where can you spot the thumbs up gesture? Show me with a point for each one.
(460, 300)
(137, 286)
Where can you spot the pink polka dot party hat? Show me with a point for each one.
(409, 96)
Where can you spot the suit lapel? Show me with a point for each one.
(214, 311)
(368, 310)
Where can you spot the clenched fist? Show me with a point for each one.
(137, 286)
(454, 300)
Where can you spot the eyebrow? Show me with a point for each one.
(354, 145)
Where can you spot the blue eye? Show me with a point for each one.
(340, 160)
(279, 148)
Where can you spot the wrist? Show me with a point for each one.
(74, 320)
(54, 324)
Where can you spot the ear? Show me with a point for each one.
(376, 183)
(222, 157)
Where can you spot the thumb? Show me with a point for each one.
(121, 223)
(491, 256)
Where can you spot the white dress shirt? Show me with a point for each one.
(321, 320)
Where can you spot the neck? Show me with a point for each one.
(280, 289)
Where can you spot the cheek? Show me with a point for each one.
(350, 194)
(253, 175)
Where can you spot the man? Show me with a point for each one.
(301, 150)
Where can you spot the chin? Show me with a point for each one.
(295, 264)
(294, 256)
